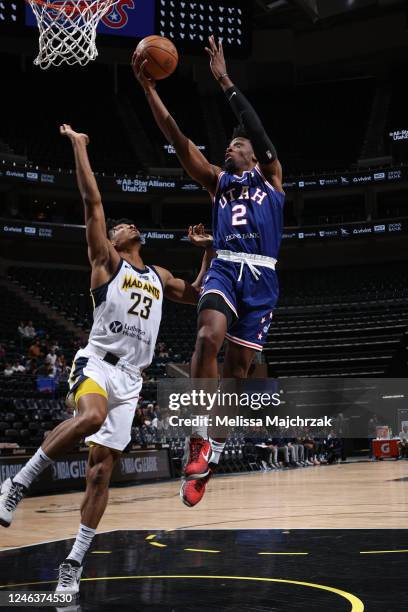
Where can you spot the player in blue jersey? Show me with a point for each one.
(240, 290)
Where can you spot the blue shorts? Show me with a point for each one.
(252, 301)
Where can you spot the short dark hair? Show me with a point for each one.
(112, 223)
(239, 132)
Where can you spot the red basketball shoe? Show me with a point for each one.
(197, 455)
(192, 491)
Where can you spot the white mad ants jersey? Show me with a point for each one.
(127, 314)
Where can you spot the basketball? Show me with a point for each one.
(161, 56)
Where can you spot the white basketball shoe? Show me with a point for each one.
(68, 579)
(11, 494)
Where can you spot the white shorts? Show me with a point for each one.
(122, 384)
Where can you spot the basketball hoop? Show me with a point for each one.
(68, 30)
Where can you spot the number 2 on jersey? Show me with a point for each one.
(147, 303)
(238, 218)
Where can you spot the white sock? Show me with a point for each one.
(217, 448)
(82, 543)
(32, 468)
(200, 431)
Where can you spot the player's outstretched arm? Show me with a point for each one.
(102, 256)
(191, 158)
(199, 238)
(264, 150)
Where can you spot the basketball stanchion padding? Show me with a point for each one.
(68, 30)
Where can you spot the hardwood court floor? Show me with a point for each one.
(348, 496)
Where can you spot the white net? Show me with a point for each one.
(68, 30)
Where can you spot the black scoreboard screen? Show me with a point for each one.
(190, 23)
(11, 13)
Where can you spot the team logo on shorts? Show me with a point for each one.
(116, 327)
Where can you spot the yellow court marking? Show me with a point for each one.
(101, 552)
(283, 553)
(356, 603)
(201, 550)
(151, 536)
(381, 552)
(158, 544)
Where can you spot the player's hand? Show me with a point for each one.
(198, 236)
(217, 60)
(66, 130)
(140, 72)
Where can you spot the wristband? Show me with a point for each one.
(222, 76)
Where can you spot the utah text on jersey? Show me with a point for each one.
(248, 214)
(242, 193)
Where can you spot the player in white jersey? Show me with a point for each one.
(105, 379)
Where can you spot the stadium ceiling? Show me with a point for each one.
(307, 14)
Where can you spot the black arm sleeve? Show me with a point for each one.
(245, 113)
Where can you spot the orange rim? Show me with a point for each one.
(70, 6)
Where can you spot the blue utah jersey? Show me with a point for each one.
(247, 214)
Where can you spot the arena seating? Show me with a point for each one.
(183, 101)
(36, 134)
(329, 322)
(398, 105)
(292, 114)
(25, 420)
(14, 310)
(26, 412)
(328, 210)
(121, 143)
(338, 322)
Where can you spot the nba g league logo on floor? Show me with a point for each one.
(116, 327)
